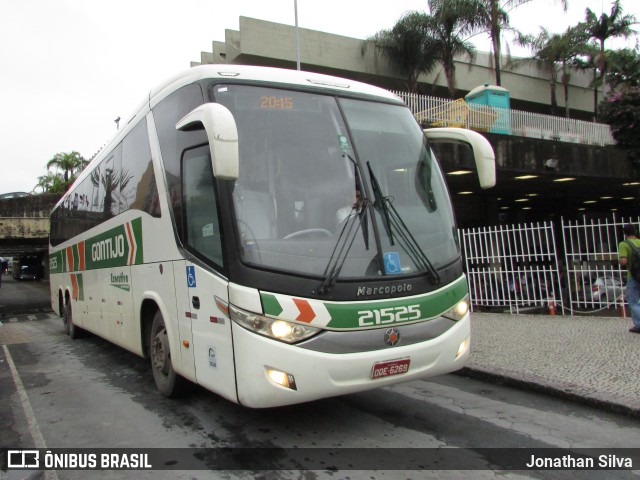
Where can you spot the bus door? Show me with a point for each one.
(207, 290)
(184, 319)
(211, 327)
(211, 347)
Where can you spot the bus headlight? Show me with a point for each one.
(282, 330)
(459, 310)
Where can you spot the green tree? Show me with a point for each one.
(586, 61)
(613, 25)
(621, 110)
(450, 24)
(553, 53)
(495, 19)
(51, 183)
(623, 69)
(407, 46)
(70, 163)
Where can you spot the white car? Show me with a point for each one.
(607, 289)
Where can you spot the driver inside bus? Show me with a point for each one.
(348, 210)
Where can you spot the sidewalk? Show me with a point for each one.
(595, 360)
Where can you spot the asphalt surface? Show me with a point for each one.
(593, 360)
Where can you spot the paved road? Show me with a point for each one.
(61, 393)
(23, 297)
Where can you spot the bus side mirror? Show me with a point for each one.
(222, 133)
(480, 147)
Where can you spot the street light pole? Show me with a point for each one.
(295, 7)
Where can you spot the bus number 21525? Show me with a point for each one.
(383, 316)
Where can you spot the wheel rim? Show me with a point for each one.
(160, 352)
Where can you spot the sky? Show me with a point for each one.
(69, 68)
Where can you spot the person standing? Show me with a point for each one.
(633, 286)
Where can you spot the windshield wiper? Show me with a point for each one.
(356, 220)
(405, 237)
(353, 224)
(379, 202)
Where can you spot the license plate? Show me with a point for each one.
(390, 367)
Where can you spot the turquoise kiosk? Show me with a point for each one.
(493, 96)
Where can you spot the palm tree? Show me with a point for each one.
(495, 19)
(450, 22)
(406, 46)
(602, 28)
(586, 61)
(69, 163)
(572, 42)
(553, 53)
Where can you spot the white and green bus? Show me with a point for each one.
(275, 236)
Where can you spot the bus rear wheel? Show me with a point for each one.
(168, 382)
(69, 327)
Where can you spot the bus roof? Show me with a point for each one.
(236, 72)
(266, 74)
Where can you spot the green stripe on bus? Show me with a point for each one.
(271, 305)
(57, 262)
(429, 305)
(349, 315)
(136, 226)
(117, 247)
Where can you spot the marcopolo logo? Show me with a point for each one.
(393, 289)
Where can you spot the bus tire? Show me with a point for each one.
(168, 382)
(66, 312)
(69, 327)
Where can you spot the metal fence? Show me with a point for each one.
(436, 111)
(512, 266)
(519, 267)
(594, 278)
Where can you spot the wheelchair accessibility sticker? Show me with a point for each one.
(191, 276)
(392, 263)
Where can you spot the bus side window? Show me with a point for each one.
(173, 142)
(202, 225)
(137, 181)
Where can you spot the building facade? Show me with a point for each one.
(538, 179)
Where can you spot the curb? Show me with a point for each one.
(605, 401)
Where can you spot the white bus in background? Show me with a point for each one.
(272, 235)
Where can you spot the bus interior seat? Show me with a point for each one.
(255, 212)
(307, 176)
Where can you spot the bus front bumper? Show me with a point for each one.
(271, 373)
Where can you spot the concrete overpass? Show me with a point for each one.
(24, 224)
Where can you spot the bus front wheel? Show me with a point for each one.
(168, 382)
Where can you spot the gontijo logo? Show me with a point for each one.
(117, 247)
(108, 249)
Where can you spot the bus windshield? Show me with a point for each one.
(325, 177)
